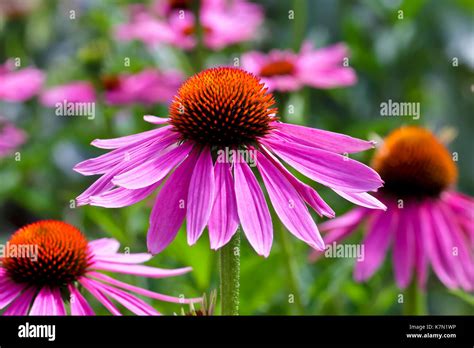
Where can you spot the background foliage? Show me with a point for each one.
(409, 59)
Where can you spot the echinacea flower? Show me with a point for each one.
(172, 22)
(19, 85)
(219, 120)
(288, 71)
(427, 221)
(73, 92)
(10, 137)
(148, 87)
(48, 262)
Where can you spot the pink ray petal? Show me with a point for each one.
(155, 120)
(104, 246)
(91, 286)
(79, 305)
(130, 139)
(403, 247)
(170, 206)
(22, 303)
(252, 209)
(200, 196)
(224, 220)
(48, 302)
(289, 205)
(362, 198)
(139, 270)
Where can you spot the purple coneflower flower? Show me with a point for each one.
(19, 85)
(148, 87)
(10, 137)
(288, 71)
(172, 22)
(427, 221)
(221, 119)
(73, 92)
(60, 260)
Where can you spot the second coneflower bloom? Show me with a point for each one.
(223, 122)
(427, 221)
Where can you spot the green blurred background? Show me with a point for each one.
(409, 59)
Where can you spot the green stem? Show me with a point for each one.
(415, 300)
(299, 23)
(199, 53)
(230, 276)
(291, 269)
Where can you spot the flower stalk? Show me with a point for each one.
(229, 258)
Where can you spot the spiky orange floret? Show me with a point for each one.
(62, 254)
(413, 162)
(277, 68)
(222, 107)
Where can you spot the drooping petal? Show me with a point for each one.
(170, 206)
(132, 303)
(327, 168)
(404, 248)
(127, 140)
(339, 228)
(309, 194)
(48, 302)
(22, 303)
(124, 258)
(144, 292)
(200, 196)
(104, 246)
(376, 243)
(252, 209)
(289, 205)
(362, 198)
(155, 120)
(91, 286)
(79, 305)
(154, 169)
(421, 253)
(139, 270)
(224, 221)
(121, 197)
(9, 290)
(322, 139)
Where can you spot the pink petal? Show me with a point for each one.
(252, 209)
(104, 246)
(48, 302)
(155, 120)
(421, 254)
(124, 258)
(288, 204)
(154, 169)
(363, 199)
(310, 196)
(121, 197)
(129, 139)
(327, 168)
(130, 302)
(330, 141)
(9, 290)
(79, 305)
(200, 196)
(170, 206)
(381, 228)
(139, 270)
(22, 303)
(144, 292)
(91, 286)
(224, 221)
(403, 248)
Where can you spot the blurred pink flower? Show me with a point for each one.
(19, 85)
(47, 285)
(10, 137)
(288, 71)
(148, 86)
(78, 91)
(427, 221)
(223, 23)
